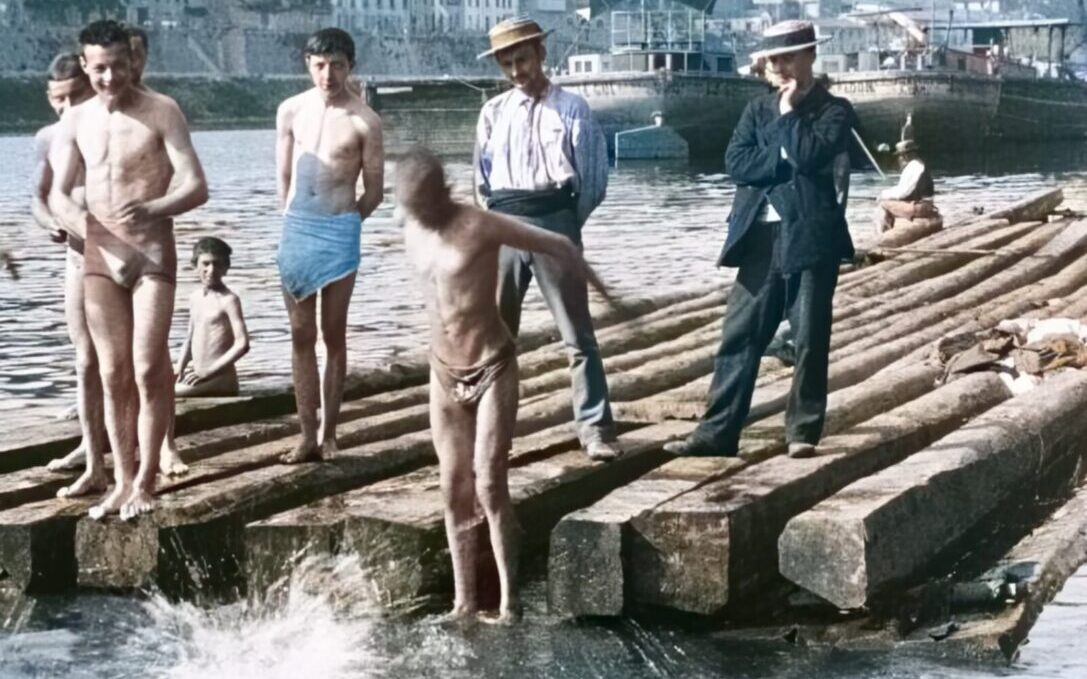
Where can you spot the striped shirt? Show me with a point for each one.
(536, 144)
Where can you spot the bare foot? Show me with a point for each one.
(140, 502)
(305, 452)
(170, 463)
(112, 503)
(70, 462)
(329, 449)
(86, 484)
(509, 615)
(460, 615)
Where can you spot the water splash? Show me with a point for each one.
(321, 622)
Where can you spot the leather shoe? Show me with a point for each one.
(696, 447)
(799, 450)
(599, 450)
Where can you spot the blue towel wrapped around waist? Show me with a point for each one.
(316, 250)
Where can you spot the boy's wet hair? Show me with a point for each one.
(211, 245)
(137, 32)
(422, 170)
(66, 66)
(328, 41)
(104, 33)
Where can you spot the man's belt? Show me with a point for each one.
(524, 203)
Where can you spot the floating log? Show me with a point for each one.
(915, 268)
(396, 527)
(883, 529)
(1035, 207)
(954, 235)
(717, 546)
(907, 231)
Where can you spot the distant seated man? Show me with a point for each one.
(912, 197)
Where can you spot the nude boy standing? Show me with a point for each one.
(68, 86)
(141, 171)
(473, 380)
(326, 138)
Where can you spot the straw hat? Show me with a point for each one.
(785, 37)
(512, 32)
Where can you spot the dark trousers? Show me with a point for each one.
(761, 297)
(568, 301)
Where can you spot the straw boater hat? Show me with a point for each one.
(785, 37)
(512, 32)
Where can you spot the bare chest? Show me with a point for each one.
(329, 134)
(123, 144)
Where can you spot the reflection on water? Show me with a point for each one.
(323, 627)
(660, 229)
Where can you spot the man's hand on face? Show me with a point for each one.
(789, 96)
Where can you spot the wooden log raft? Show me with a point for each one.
(396, 527)
(616, 329)
(717, 546)
(403, 411)
(885, 528)
(597, 539)
(193, 540)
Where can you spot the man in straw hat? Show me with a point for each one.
(541, 158)
(787, 235)
(912, 196)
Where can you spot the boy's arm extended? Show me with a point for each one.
(521, 236)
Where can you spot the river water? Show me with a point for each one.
(651, 209)
(326, 629)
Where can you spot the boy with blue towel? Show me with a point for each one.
(326, 138)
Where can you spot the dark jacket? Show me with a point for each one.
(800, 187)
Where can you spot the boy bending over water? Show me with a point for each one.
(473, 379)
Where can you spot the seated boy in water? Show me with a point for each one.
(216, 339)
(473, 379)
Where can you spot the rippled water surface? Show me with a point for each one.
(659, 230)
(325, 629)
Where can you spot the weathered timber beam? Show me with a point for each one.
(883, 529)
(1034, 207)
(600, 536)
(717, 546)
(193, 540)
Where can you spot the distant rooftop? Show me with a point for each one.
(1014, 23)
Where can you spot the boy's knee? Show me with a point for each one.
(116, 379)
(151, 374)
(304, 336)
(335, 343)
(86, 362)
(491, 490)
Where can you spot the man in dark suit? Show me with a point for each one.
(787, 235)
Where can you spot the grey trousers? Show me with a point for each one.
(568, 301)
